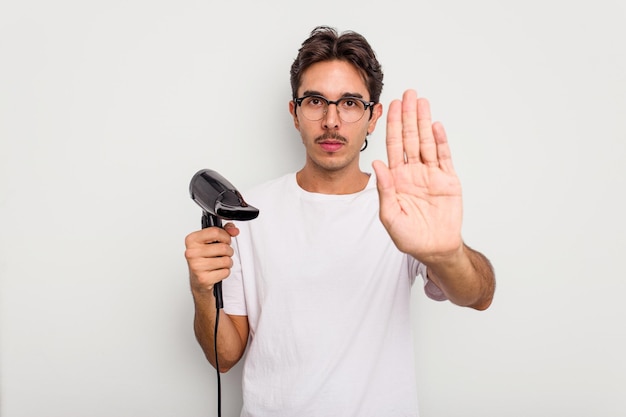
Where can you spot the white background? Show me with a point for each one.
(107, 109)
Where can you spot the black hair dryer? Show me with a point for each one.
(219, 200)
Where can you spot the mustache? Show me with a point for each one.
(331, 135)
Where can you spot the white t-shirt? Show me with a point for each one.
(327, 295)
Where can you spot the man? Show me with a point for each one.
(318, 286)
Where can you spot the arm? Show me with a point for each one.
(467, 279)
(421, 204)
(208, 253)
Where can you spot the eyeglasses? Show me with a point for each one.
(350, 109)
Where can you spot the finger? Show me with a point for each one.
(384, 179)
(395, 149)
(428, 147)
(206, 258)
(205, 278)
(231, 229)
(386, 188)
(209, 250)
(410, 132)
(443, 148)
(212, 264)
(209, 258)
(207, 235)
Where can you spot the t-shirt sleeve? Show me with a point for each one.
(232, 287)
(432, 291)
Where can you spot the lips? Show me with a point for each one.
(331, 142)
(331, 146)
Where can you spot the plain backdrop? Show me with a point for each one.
(108, 108)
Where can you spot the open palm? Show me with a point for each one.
(420, 193)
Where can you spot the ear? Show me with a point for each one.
(292, 111)
(377, 111)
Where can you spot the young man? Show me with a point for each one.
(318, 286)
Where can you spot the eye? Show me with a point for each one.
(351, 103)
(314, 101)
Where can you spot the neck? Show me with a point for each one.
(332, 182)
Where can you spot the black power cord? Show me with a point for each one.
(209, 220)
(217, 365)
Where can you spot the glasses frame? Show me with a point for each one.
(366, 105)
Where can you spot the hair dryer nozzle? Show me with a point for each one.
(219, 197)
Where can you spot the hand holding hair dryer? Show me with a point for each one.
(219, 200)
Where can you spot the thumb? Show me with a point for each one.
(384, 181)
(231, 229)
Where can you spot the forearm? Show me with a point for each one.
(467, 278)
(231, 337)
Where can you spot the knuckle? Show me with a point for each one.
(189, 240)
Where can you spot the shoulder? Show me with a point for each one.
(272, 194)
(277, 185)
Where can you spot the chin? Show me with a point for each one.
(331, 164)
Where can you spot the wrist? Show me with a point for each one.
(453, 266)
(202, 291)
(450, 258)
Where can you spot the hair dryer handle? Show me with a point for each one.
(209, 220)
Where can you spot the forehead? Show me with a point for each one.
(333, 79)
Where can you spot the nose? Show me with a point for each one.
(331, 117)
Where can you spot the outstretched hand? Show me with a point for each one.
(420, 194)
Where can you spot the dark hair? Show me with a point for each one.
(325, 44)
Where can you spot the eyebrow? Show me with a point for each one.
(317, 93)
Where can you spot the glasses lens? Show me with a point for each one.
(314, 108)
(350, 109)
